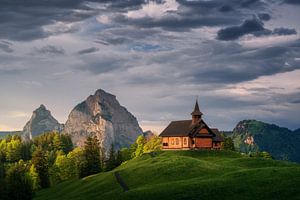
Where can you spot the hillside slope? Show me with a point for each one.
(281, 142)
(188, 175)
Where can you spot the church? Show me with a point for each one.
(191, 134)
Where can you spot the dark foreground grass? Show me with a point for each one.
(188, 175)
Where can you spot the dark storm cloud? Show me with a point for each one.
(284, 31)
(230, 64)
(49, 50)
(194, 14)
(174, 23)
(24, 20)
(251, 26)
(248, 3)
(234, 32)
(264, 16)
(88, 50)
(226, 8)
(292, 1)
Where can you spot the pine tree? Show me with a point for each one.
(18, 182)
(57, 143)
(40, 161)
(34, 178)
(228, 144)
(92, 164)
(111, 162)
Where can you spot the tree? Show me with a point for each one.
(140, 142)
(92, 164)
(26, 150)
(35, 179)
(228, 144)
(18, 182)
(76, 157)
(40, 161)
(154, 144)
(125, 154)
(2, 181)
(57, 143)
(67, 169)
(111, 162)
(13, 150)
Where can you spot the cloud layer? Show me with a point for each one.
(156, 56)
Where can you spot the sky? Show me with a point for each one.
(240, 57)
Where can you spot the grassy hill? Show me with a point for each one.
(188, 175)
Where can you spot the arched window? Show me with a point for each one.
(172, 141)
(177, 141)
(184, 141)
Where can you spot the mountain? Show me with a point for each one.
(187, 175)
(281, 143)
(40, 122)
(102, 114)
(148, 134)
(3, 134)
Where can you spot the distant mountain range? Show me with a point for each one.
(252, 135)
(102, 114)
(6, 133)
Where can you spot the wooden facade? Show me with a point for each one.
(191, 134)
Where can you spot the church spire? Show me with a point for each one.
(196, 109)
(196, 114)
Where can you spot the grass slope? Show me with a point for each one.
(188, 175)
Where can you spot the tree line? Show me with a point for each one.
(48, 159)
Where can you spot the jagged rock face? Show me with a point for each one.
(40, 122)
(101, 114)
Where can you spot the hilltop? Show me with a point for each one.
(282, 143)
(187, 175)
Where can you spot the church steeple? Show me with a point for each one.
(196, 114)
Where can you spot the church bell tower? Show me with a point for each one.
(196, 114)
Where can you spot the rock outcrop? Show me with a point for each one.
(102, 114)
(40, 122)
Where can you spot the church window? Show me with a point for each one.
(185, 141)
(172, 141)
(177, 141)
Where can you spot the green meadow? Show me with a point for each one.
(187, 175)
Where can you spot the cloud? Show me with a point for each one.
(49, 50)
(264, 16)
(251, 26)
(88, 50)
(292, 1)
(234, 32)
(6, 47)
(284, 31)
(176, 23)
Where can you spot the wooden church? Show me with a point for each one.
(191, 134)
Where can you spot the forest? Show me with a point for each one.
(51, 158)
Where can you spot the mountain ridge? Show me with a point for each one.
(254, 135)
(103, 115)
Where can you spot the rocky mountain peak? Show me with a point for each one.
(40, 122)
(101, 114)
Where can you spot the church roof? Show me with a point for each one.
(184, 128)
(196, 109)
(178, 128)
